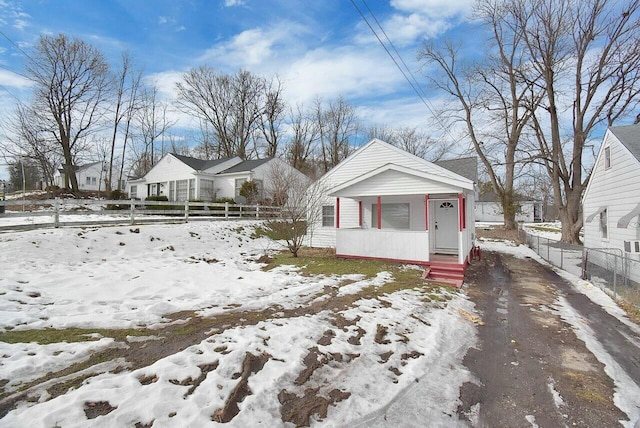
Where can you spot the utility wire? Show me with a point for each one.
(15, 45)
(413, 81)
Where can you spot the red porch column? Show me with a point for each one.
(461, 211)
(426, 212)
(379, 212)
(360, 213)
(337, 213)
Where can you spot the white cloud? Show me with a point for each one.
(434, 8)
(162, 20)
(231, 3)
(255, 47)
(20, 24)
(10, 79)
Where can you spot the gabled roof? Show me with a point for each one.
(246, 166)
(629, 136)
(79, 167)
(466, 167)
(199, 164)
(456, 182)
(439, 170)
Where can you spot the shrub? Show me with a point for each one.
(118, 195)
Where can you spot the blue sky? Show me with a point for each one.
(318, 48)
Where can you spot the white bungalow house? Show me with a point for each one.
(611, 201)
(181, 178)
(387, 204)
(489, 209)
(91, 176)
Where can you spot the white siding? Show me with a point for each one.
(368, 158)
(397, 183)
(618, 189)
(492, 211)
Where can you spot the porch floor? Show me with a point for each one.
(443, 258)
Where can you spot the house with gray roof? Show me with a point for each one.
(182, 178)
(611, 201)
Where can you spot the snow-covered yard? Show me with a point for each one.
(254, 347)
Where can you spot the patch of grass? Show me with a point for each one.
(323, 261)
(545, 228)
(588, 388)
(69, 335)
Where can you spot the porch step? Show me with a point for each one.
(449, 273)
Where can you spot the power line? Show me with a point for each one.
(417, 88)
(15, 45)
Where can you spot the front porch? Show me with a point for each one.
(401, 246)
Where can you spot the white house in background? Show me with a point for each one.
(91, 176)
(384, 203)
(611, 202)
(488, 208)
(181, 178)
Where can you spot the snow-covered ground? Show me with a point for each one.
(627, 391)
(128, 277)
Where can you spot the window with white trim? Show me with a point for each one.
(239, 183)
(328, 216)
(89, 180)
(603, 224)
(394, 216)
(607, 157)
(182, 189)
(134, 191)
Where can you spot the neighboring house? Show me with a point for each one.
(384, 203)
(611, 202)
(181, 178)
(91, 176)
(489, 208)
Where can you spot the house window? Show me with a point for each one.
(394, 216)
(134, 192)
(603, 224)
(94, 181)
(192, 188)
(607, 157)
(88, 180)
(328, 216)
(182, 190)
(239, 182)
(207, 191)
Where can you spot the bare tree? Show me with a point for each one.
(71, 85)
(152, 124)
(231, 105)
(494, 101)
(24, 139)
(127, 82)
(300, 202)
(270, 121)
(411, 140)
(587, 54)
(337, 126)
(305, 134)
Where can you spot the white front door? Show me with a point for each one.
(445, 225)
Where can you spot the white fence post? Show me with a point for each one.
(56, 214)
(226, 210)
(186, 211)
(257, 210)
(132, 209)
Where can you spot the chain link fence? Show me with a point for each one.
(608, 268)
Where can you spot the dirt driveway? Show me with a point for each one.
(530, 367)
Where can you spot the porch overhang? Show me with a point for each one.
(397, 180)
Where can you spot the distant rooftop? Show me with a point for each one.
(199, 164)
(466, 167)
(245, 166)
(629, 136)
